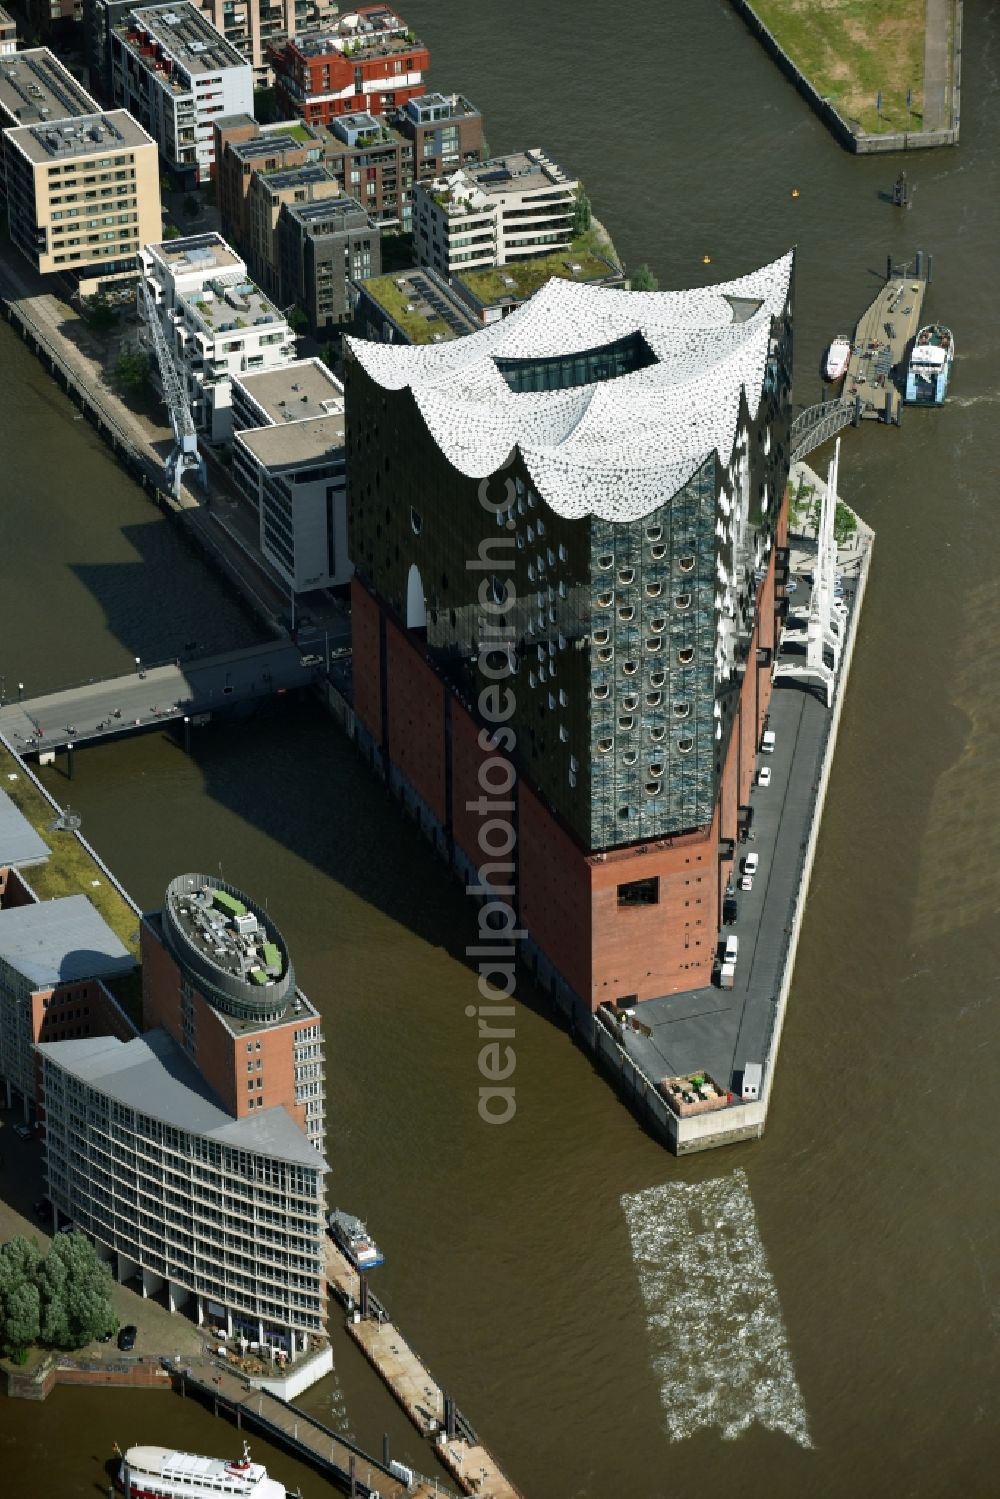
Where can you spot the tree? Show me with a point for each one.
(75, 1291)
(298, 320)
(581, 214)
(132, 371)
(20, 1323)
(171, 231)
(642, 279)
(100, 314)
(191, 205)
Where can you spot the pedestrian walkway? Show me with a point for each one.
(938, 65)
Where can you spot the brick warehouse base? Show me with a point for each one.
(583, 944)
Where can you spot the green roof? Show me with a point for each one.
(272, 957)
(489, 286)
(70, 868)
(419, 328)
(229, 903)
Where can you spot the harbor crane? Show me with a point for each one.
(184, 454)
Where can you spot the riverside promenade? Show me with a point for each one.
(721, 1031)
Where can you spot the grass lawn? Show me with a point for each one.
(69, 870)
(852, 50)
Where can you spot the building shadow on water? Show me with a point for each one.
(164, 603)
(289, 772)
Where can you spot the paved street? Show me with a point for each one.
(720, 1030)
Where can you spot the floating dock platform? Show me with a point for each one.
(432, 1412)
(876, 375)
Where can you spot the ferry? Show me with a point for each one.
(930, 366)
(161, 1473)
(838, 357)
(351, 1235)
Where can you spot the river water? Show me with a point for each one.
(811, 1313)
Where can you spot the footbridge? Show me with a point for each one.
(817, 424)
(150, 696)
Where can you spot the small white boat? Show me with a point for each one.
(838, 357)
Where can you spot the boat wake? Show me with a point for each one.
(720, 1348)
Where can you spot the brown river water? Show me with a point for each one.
(814, 1313)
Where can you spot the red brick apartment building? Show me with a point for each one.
(367, 61)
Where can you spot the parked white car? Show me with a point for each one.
(764, 776)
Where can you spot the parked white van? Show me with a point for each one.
(767, 742)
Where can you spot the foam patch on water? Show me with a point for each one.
(720, 1348)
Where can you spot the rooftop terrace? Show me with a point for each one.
(36, 88)
(185, 34)
(429, 108)
(373, 32)
(223, 305)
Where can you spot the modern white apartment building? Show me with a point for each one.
(217, 321)
(228, 1211)
(177, 74)
(508, 209)
(289, 459)
(83, 195)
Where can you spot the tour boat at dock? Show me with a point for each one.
(351, 1235)
(930, 366)
(162, 1473)
(838, 357)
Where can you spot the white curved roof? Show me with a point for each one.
(617, 449)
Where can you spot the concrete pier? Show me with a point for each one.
(351, 1470)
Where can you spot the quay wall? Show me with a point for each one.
(146, 1373)
(863, 142)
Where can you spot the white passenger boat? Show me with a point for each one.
(162, 1473)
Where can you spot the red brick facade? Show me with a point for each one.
(228, 1061)
(567, 898)
(319, 86)
(415, 710)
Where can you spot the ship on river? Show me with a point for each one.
(162, 1473)
(930, 366)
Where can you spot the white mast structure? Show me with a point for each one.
(822, 631)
